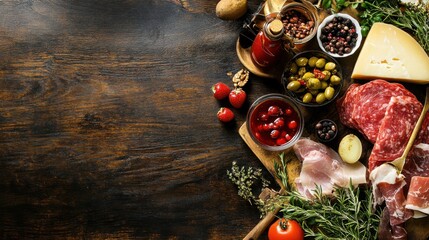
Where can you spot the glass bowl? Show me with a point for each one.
(275, 122)
(309, 76)
(353, 46)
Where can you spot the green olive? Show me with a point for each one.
(320, 63)
(335, 80)
(293, 68)
(329, 92)
(313, 83)
(307, 75)
(302, 71)
(301, 62)
(320, 98)
(293, 86)
(323, 85)
(307, 98)
(313, 92)
(330, 66)
(327, 75)
(312, 61)
(292, 78)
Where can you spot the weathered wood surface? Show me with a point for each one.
(108, 127)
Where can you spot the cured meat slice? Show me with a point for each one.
(373, 100)
(388, 232)
(388, 186)
(345, 106)
(396, 127)
(417, 163)
(323, 167)
(364, 106)
(418, 195)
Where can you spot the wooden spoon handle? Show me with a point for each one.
(261, 226)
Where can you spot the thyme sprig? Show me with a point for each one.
(245, 179)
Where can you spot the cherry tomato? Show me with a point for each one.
(284, 229)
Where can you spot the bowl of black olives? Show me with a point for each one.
(339, 35)
(313, 78)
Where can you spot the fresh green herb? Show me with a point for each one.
(338, 5)
(246, 179)
(350, 215)
(412, 18)
(281, 170)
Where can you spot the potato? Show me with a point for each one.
(231, 9)
(350, 148)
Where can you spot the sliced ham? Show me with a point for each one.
(418, 195)
(395, 129)
(323, 167)
(388, 186)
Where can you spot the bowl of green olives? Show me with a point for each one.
(313, 78)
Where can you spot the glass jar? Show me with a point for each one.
(268, 44)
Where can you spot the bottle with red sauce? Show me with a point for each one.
(268, 44)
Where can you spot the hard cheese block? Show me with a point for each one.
(392, 54)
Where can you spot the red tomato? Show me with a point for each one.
(284, 229)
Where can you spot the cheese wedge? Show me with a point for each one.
(390, 53)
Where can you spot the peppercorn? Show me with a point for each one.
(339, 36)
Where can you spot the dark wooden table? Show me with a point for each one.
(108, 125)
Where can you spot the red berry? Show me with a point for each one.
(288, 137)
(275, 134)
(237, 97)
(225, 114)
(281, 141)
(279, 122)
(292, 124)
(288, 112)
(266, 127)
(263, 117)
(274, 111)
(220, 90)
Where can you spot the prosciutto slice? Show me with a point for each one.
(323, 167)
(418, 195)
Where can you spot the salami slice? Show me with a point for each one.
(363, 107)
(395, 129)
(346, 104)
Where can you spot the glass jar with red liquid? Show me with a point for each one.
(268, 44)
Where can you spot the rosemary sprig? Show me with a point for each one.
(349, 215)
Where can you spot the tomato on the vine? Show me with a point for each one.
(285, 229)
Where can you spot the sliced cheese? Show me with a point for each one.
(392, 54)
